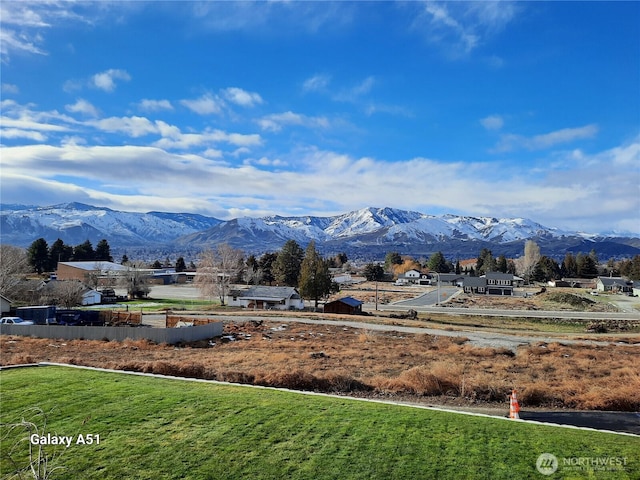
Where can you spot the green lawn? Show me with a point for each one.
(160, 428)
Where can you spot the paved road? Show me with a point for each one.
(516, 313)
(429, 298)
(614, 421)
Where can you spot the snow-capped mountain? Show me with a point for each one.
(371, 232)
(367, 233)
(76, 222)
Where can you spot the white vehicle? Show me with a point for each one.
(14, 321)
(594, 293)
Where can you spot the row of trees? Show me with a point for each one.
(43, 258)
(291, 266)
(532, 266)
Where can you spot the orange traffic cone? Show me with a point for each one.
(514, 406)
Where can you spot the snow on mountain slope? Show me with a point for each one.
(368, 231)
(73, 221)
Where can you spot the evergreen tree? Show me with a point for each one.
(437, 263)
(156, 264)
(486, 262)
(83, 252)
(546, 269)
(124, 260)
(59, 252)
(458, 268)
(315, 279)
(265, 264)
(286, 268)
(373, 272)
(180, 265)
(630, 268)
(103, 251)
(501, 265)
(38, 255)
(569, 266)
(586, 266)
(391, 259)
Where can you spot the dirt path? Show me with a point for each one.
(480, 339)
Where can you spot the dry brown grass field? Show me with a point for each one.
(331, 358)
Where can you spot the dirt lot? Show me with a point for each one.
(331, 358)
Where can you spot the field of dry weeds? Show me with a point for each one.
(353, 361)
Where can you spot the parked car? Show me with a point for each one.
(14, 321)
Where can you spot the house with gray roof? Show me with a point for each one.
(613, 285)
(266, 298)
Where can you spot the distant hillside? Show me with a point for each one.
(367, 234)
(371, 232)
(76, 222)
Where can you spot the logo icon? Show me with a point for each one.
(547, 464)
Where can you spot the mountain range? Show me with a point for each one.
(367, 233)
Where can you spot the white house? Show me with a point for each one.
(5, 305)
(613, 285)
(91, 297)
(412, 276)
(266, 298)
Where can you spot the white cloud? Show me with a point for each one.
(509, 142)
(276, 121)
(212, 153)
(12, 41)
(31, 123)
(354, 93)
(460, 27)
(174, 139)
(317, 83)
(132, 126)
(154, 105)
(204, 105)
(492, 122)
(242, 97)
(10, 88)
(84, 107)
(18, 133)
(607, 181)
(106, 80)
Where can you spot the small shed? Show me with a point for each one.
(91, 297)
(345, 305)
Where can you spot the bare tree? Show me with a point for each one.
(41, 463)
(530, 259)
(94, 276)
(13, 266)
(217, 269)
(135, 281)
(66, 293)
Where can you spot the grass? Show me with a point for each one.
(161, 304)
(164, 429)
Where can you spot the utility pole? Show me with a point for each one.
(376, 295)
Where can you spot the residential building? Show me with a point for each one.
(5, 305)
(613, 285)
(266, 298)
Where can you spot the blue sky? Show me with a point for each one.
(506, 109)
